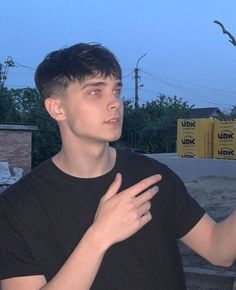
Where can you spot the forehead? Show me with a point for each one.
(99, 81)
(109, 81)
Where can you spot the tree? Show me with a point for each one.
(160, 131)
(153, 126)
(46, 140)
(8, 111)
(25, 106)
(233, 112)
(133, 124)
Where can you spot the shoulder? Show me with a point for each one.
(143, 163)
(18, 193)
(134, 167)
(135, 158)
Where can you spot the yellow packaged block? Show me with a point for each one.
(225, 139)
(195, 138)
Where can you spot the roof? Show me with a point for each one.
(18, 127)
(211, 112)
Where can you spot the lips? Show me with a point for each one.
(113, 120)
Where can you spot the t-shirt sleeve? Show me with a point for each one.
(16, 258)
(187, 210)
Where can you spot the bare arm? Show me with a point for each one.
(119, 216)
(216, 242)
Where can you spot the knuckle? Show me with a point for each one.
(144, 183)
(149, 205)
(128, 203)
(154, 190)
(149, 194)
(149, 215)
(139, 224)
(135, 214)
(132, 206)
(152, 193)
(131, 202)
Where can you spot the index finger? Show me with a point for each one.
(143, 185)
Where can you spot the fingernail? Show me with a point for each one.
(156, 189)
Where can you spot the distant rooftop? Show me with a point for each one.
(211, 112)
(18, 127)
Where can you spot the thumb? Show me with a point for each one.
(114, 187)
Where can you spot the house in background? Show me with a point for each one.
(16, 145)
(211, 112)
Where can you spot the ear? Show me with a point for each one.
(54, 108)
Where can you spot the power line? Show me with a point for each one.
(25, 66)
(177, 85)
(127, 75)
(187, 91)
(190, 83)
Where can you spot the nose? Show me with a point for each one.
(115, 103)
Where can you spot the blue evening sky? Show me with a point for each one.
(187, 54)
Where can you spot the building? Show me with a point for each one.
(16, 145)
(211, 112)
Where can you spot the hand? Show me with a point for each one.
(120, 215)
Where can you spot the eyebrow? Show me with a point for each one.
(97, 84)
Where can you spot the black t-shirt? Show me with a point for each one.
(45, 214)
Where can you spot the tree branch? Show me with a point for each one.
(232, 39)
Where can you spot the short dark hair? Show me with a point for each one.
(62, 67)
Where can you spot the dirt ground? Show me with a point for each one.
(217, 195)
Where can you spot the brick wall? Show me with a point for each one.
(15, 146)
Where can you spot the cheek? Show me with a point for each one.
(80, 114)
(84, 116)
(122, 111)
(72, 114)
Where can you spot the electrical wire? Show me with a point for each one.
(25, 66)
(188, 91)
(189, 83)
(160, 79)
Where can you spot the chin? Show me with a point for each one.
(114, 138)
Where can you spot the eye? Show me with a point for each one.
(117, 92)
(95, 92)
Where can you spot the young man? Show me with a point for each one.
(90, 218)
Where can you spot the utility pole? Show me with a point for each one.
(136, 79)
(4, 70)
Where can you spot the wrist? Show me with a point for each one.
(97, 239)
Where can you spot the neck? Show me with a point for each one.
(86, 161)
